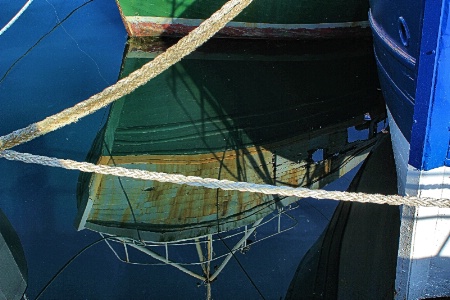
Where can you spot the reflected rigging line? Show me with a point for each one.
(78, 45)
(43, 37)
(68, 263)
(124, 192)
(223, 242)
(225, 184)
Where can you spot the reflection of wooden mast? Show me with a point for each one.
(201, 257)
(207, 278)
(235, 248)
(208, 269)
(165, 260)
(206, 265)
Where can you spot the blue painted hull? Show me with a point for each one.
(396, 62)
(412, 50)
(408, 55)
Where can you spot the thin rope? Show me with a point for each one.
(42, 38)
(123, 87)
(68, 263)
(212, 183)
(14, 19)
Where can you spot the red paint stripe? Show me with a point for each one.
(142, 29)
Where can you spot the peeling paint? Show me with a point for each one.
(250, 30)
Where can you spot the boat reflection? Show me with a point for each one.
(14, 275)
(280, 113)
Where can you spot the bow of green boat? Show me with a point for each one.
(261, 19)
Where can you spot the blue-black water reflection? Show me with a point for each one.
(283, 113)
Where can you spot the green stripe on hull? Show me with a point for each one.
(260, 11)
(202, 105)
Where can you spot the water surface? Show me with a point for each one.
(298, 91)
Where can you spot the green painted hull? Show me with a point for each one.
(218, 100)
(262, 18)
(261, 11)
(256, 112)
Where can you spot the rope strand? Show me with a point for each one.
(212, 183)
(125, 86)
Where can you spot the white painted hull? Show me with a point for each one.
(423, 265)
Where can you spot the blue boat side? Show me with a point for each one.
(430, 138)
(413, 59)
(396, 57)
(412, 50)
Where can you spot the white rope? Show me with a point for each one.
(123, 87)
(223, 184)
(11, 22)
(126, 85)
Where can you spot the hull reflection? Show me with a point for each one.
(261, 112)
(14, 275)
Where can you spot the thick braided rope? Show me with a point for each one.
(223, 184)
(126, 85)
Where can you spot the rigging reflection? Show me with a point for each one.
(281, 113)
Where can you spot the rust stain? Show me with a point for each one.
(171, 204)
(128, 28)
(205, 158)
(141, 29)
(327, 166)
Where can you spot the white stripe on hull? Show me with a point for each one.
(423, 264)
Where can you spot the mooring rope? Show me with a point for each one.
(185, 46)
(14, 19)
(123, 87)
(223, 184)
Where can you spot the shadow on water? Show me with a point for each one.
(356, 258)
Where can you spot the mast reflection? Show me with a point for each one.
(258, 111)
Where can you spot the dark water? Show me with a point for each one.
(46, 67)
